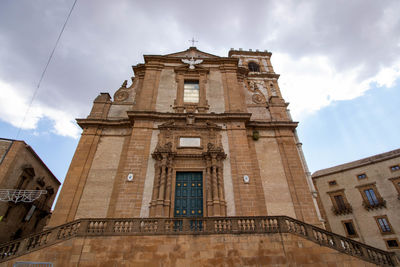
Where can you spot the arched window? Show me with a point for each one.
(254, 67)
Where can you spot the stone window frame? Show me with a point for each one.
(355, 235)
(394, 168)
(255, 66)
(388, 224)
(182, 75)
(335, 208)
(186, 82)
(361, 176)
(366, 203)
(396, 184)
(332, 183)
(389, 239)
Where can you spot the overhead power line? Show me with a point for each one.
(45, 68)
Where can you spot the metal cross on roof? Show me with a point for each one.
(193, 41)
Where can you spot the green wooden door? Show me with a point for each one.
(189, 194)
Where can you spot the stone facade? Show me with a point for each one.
(191, 250)
(365, 194)
(193, 163)
(239, 123)
(22, 169)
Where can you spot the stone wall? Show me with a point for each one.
(276, 189)
(378, 175)
(191, 250)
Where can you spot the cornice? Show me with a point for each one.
(356, 164)
(185, 69)
(264, 75)
(102, 122)
(249, 53)
(151, 115)
(272, 124)
(165, 116)
(167, 59)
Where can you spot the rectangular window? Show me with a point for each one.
(392, 243)
(332, 182)
(361, 176)
(340, 202)
(395, 167)
(349, 228)
(191, 92)
(396, 183)
(383, 224)
(371, 197)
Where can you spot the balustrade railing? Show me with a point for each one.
(209, 225)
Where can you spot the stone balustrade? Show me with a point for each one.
(189, 226)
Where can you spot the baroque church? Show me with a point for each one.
(194, 161)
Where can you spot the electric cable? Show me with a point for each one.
(45, 69)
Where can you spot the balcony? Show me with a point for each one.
(343, 209)
(378, 203)
(105, 227)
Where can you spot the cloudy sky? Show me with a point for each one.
(339, 63)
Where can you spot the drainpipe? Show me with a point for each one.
(310, 183)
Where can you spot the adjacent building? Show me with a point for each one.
(361, 199)
(27, 190)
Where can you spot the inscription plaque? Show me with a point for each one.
(189, 141)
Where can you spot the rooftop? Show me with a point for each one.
(357, 163)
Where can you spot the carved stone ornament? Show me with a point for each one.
(122, 93)
(192, 62)
(165, 148)
(121, 96)
(258, 99)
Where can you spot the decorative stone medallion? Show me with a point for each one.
(121, 96)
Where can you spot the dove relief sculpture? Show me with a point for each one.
(192, 62)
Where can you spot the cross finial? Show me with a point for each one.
(193, 41)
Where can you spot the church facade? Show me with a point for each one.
(195, 162)
(193, 135)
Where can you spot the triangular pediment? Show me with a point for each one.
(191, 52)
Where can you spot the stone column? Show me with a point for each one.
(167, 202)
(156, 188)
(221, 188)
(217, 210)
(209, 188)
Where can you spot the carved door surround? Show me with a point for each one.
(170, 158)
(197, 74)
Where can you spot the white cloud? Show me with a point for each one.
(14, 110)
(325, 50)
(311, 83)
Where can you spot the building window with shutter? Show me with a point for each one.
(392, 243)
(384, 225)
(340, 204)
(349, 228)
(396, 183)
(371, 197)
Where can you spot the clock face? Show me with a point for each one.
(246, 179)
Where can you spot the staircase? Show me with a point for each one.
(191, 226)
